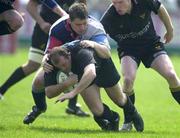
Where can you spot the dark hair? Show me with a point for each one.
(78, 10)
(58, 51)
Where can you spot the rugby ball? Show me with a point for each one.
(61, 77)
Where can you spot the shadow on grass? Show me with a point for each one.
(90, 131)
(68, 130)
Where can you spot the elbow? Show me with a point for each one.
(48, 93)
(93, 74)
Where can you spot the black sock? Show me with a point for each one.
(132, 98)
(176, 94)
(72, 102)
(16, 76)
(40, 100)
(106, 120)
(5, 28)
(128, 109)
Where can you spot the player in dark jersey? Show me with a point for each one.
(78, 26)
(49, 13)
(10, 19)
(130, 24)
(94, 70)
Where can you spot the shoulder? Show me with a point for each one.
(59, 25)
(94, 28)
(109, 15)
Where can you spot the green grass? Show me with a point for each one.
(160, 112)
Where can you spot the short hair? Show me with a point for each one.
(58, 51)
(78, 10)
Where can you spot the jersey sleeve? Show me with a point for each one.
(153, 5)
(101, 39)
(105, 18)
(51, 4)
(53, 40)
(84, 58)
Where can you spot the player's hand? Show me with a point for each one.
(72, 79)
(45, 26)
(64, 97)
(87, 43)
(168, 37)
(46, 66)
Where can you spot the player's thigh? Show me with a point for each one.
(163, 65)
(91, 97)
(128, 67)
(13, 18)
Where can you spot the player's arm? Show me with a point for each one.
(56, 89)
(53, 41)
(53, 5)
(32, 8)
(165, 18)
(100, 45)
(88, 76)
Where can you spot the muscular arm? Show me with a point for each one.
(100, 44)
(88, 76)
(32, 8)
(102, 50)
(55, 90)
(165, 18)
(53, 5)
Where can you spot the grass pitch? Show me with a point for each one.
(160, 112)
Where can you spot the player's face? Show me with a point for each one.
(122, 6)
(79, 26)
(62, 63)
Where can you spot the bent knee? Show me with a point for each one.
(38, 83)
(30, 67)
(129, 81)
(171, 76)
(97, 110)
(14, 20)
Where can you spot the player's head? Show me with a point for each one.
(60, 57)
(78, 17)
(122, 6)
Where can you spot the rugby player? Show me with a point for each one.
(130, 24)
(95, 69)
(49, 13)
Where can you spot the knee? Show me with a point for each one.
(171, 76)
(30, 67)
(97, 110)
(38, 83)
(15, 20)
(128, 81)
(17, 23)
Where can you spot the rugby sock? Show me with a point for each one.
(40, 100)
(132, 97)
(72, 102)
(107, 120)
(176, 94)
(16, 76)
(5, 28)
(128, 109)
